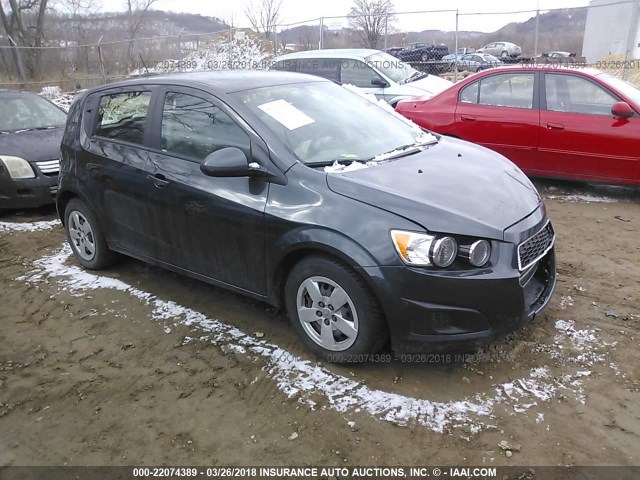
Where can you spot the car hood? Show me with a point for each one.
(431, 84)
(451, 187)
(33, 146)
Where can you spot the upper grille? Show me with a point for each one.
(535, 247)
(49, 167)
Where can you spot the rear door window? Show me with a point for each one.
(513, 90)
(122, 116)
(322, 67)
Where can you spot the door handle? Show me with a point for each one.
(555, 126)
(159, 180)
(468, 118)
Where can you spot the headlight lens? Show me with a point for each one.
(17, 167)
(444, 251)
(413, 247)
(421, 249)
(479, 253)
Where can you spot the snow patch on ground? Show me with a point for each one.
(56, 96)
(307, 380)
(582, 198)
(28, 226)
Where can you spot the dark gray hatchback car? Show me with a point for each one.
(298, 192)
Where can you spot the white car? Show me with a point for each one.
(373, 71)
(502, 50)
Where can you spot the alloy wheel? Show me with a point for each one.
(81, 234)
(327, 313)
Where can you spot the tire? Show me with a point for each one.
(85, 236)
(359, 315)
(424, 57)
(504, 54)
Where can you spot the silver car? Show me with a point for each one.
(375, 72)
(478, 61)
(501, 49)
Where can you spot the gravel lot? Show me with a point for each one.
(139, 365)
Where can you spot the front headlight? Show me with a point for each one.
(17, 167)
(422, 250)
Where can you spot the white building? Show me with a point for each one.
(611, 26)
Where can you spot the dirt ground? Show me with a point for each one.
(137, 365)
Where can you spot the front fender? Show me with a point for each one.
(307, 240)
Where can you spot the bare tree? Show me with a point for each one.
(370, 18)
(77, 12)
(264, 15)
(23, 22)
(136, 11)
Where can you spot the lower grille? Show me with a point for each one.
(49, 167)
(535, 247)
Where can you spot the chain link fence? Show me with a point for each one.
(72, 66)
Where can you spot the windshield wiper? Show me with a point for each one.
(398, 152)
(339, 161)
(415, 76)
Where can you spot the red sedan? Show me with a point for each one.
(552, 122)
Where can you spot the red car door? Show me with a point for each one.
(579, 136)
(500, 112)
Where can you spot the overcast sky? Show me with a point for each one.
(301, 10)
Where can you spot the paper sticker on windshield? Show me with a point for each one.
(286, 114)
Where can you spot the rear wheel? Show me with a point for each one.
(85, 236)
(333, 311)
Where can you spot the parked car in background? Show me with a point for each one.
(421, 52)
(261, 182)
(558, 54)
(451, 57)
(31, 130)
(504, 50)
(393, 50)
(476, 62)
(374, 71)
(551, 121)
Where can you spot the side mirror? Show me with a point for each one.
(230, 162)
(622, 110)
(378, 82)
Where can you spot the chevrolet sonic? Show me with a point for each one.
(298, 192)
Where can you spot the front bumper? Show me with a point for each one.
(27, 193)
(432, 310)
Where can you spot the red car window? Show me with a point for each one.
(569, 93)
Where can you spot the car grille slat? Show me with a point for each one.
(535, 247)
(49, 167)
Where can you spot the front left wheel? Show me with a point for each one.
(85, 236)
(333, 310)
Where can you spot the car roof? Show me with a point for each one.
(225, 81)
(348, 53)
(542, 67)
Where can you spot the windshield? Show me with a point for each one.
(26, 112)
(628, 90)
(391, 66)
(323, 122)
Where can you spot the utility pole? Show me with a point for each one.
(535, 48)
(631, 39)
